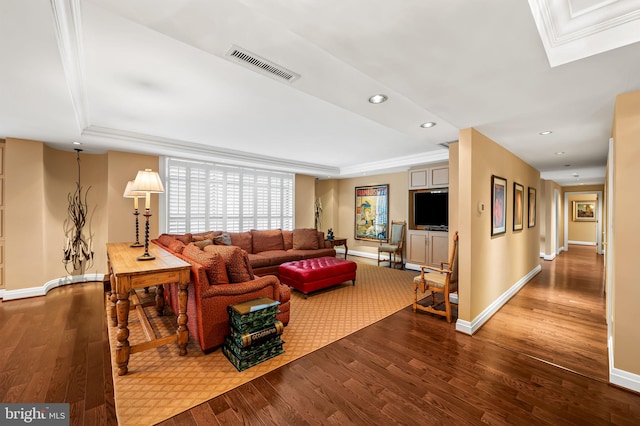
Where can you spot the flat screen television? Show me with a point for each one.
(431, 210)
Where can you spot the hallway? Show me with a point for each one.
(559, 316)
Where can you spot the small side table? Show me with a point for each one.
(336, 241)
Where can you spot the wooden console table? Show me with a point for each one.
(339, 242)
(126, 273)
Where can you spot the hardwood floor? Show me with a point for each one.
(410, 368)
(413, 368)
(56, 349)
(559, 316)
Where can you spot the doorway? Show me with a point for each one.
(579, 227)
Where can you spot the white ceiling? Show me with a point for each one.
(151, 76)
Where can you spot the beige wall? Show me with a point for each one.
(345, 226)
(327, 192)
(489, 266)
(305, 199)
(578, 231)
(551, 228)
(626, 228)
(39, 181)
(25, 215)
(121, 168)
(60, 177)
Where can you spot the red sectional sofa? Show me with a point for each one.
(262, 253)
(268, 249)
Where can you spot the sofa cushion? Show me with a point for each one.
(320, 239)
(309, 254)
(305, 239)
(242, 240)
(223, 239)
(277, 257)
(203, 236)
(202, 243)
(176, 246)
(287, 238)
(212, 262)
(185, 238)
(236, 260)
(166, 239)
(258, 260)
(267, 240)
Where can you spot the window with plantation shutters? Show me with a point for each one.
(205, 196)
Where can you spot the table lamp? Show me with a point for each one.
(129, 193)
(147, 182)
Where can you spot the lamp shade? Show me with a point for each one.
(148, 181)
(129, 193)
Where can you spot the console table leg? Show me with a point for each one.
(183, 331)
(160, 299)
(112, 301)
(123, 349)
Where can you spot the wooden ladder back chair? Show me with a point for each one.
(395, 246)
(443, 281)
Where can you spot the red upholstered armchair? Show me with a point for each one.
(208, 320)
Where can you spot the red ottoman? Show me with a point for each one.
(314, 274)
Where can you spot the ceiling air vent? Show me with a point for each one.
(261, 65)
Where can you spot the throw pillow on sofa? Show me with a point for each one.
(305, 239)
(237, 262)
(222, 240)
(203, 243)
(176, 246)
(213, 263)
(267, 240)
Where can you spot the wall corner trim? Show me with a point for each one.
(624, 379)
(473, 326)
(42, 291)
(620, 377)
(548, 256)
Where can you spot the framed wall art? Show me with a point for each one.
(372, 213)
(498, 204)
(584, 211)
(531, 207)
(518, 207)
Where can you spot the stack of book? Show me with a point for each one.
(255, 333)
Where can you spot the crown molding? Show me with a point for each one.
(570, 33)
(155, 145)
(67, 18)
(173, 147)
(396, 164)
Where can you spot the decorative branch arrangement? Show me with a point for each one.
(317, 210)
(78, 252)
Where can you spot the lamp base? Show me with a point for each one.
(146, 256)
(137, 245)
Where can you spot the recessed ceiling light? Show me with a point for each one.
(378, 99)
(427, 124)
(546, 132)
(77, 143)
(559, 153)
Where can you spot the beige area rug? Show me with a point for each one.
(161, 384)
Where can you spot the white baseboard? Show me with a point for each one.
(412, 266)
(582, 243)
(42, 291)
(547, 256)
(619, 377)
(473, 326)
(624, 379)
